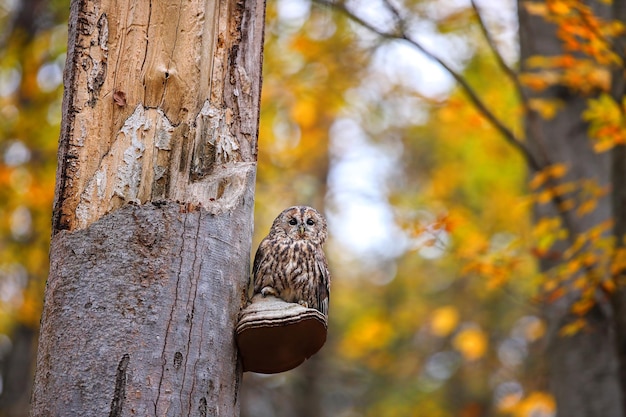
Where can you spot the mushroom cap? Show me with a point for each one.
(275, 336)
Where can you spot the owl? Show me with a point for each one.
(290, 263)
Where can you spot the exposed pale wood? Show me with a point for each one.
(186, 126)
(153, 209)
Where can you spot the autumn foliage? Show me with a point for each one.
(437, 257)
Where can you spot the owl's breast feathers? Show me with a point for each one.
(296, 269)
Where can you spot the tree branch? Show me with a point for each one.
(500, 60)
(399, 20)
(401, 34)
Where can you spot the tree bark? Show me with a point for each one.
(583, 368)
(153, 209)
(618, 201)
(618, 298)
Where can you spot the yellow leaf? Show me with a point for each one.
(444, 321)
(471, 343)
(587, 207)
(590, 259)
(550, 285)
(581, 307)
(365, 336)
(579, 242)
(580, 283)
(557, 170)
(618, 264)
(547, 231)
(304, 113)
(572, 266)
(564, 188)
(538, 180)
(547, 109)
(600, 77)
(608, 286)
(536, 8)
(537, 403)
(572, 328)
(538, 61)
(603, 145)
(567, 205)
(559, 7)
(545, 197)
(539, 81)
(553, 171)
(614, 28)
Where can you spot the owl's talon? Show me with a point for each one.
(269, 291)
(303, 303)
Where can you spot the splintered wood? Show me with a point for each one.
(152, 116)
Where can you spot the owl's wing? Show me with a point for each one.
(259, 257)
(323, 290)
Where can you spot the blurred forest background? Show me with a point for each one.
(437, 291)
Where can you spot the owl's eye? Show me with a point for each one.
(310, 222)
(293, 222)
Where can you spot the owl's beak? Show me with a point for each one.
(301, 230)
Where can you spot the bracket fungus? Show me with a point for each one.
(275, 336)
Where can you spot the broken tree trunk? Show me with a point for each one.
(153, 216)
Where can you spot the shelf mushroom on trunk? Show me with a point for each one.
(286, 320)
(275, 336)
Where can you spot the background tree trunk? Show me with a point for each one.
(583, 367)
(30, 18)
(152, 217)
(618, 202)
(17, 372)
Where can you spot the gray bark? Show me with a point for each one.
(618, 202)
(140, 312)
(17, 372)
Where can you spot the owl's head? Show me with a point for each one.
(301, 223)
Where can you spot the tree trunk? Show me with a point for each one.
(618, 298)
(17, 371)
(582, 368)
(153, 215)
(618, 202)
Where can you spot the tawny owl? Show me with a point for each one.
(290, 262)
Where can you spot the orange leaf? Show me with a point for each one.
(555, 295)
(444, 320)
(608, 286)
(587, 207)
(557, 170)
(581, 307)
(558, 7)
(545, 197)
(538, 180)
(471, 343)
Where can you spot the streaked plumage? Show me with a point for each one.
(290, 262)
